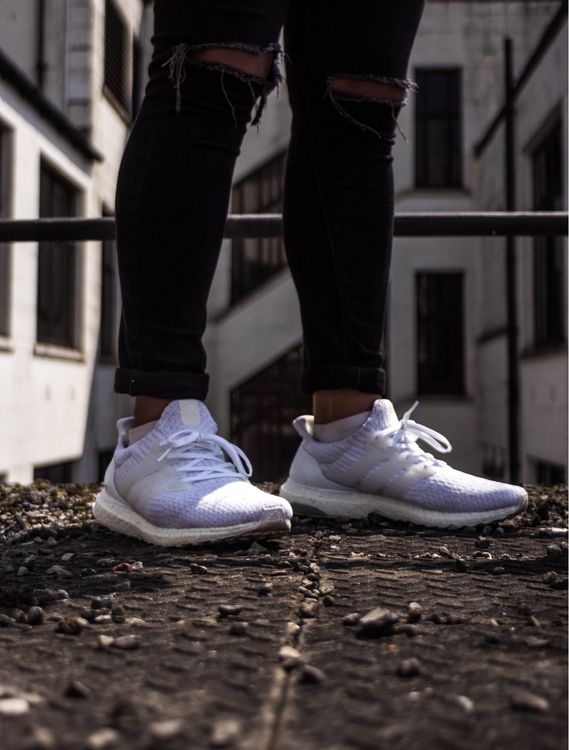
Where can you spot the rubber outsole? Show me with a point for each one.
(310, 501)
(116, 515)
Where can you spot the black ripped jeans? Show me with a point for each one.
(175, 178)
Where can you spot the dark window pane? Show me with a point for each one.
(57, 261)
(116, 59)
(440, 334)
(55, 472)
(255, 260)
(438, 141)
(262, 410)
(548, 277)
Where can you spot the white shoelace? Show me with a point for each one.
(406, 434)
(191, 448)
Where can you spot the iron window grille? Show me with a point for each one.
(57, 264)
(440, 332)
(438, 128)
(116, 56)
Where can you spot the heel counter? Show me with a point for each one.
(306, 471)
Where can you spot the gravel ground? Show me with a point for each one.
(343, 634)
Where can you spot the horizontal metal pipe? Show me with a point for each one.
(416, 224)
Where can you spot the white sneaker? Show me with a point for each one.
(380, 468)
(174, 486)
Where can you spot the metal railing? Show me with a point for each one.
(413, 224)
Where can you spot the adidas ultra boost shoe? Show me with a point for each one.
(380, 468)
(181, 483)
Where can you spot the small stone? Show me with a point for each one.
(352, 619)
(22, 571)
(265, 589)
(6, 622)
(292, 629)
(534, 621)
(499, 570)
(13, 706)
(123, 586)
(199, 569)
(59, 571)
(533, 642)
(77, 689)
(101, 618)
(309, 609)
(35, 616)
(550, 577)
(524, 701)
(465, 703)
(225, 733)
(414, 612)
(118, 614)
(102, 739)
(460, 565)
(239, 628)
(290, 657)
(482, 555)
(409, 668)
(407, 629)
(444, 551)
(42, 739)
(17, 615)
(328, 601)
(105, 641)
(326, 588)
(229, 610)
(377, 622)
(483, 542)
(71, 625)
(67, 556)
(50, 595)
(166, 730)
(127, 642)
(310, 675)
(102, 602)
(554, 551)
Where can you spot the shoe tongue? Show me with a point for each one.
(187, 412)
(383, 415)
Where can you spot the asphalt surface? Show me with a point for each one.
(107, 642)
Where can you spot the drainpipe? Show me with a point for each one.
(511, 288)
(41, 64)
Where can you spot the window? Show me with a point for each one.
(5, 179)
(548, 275)
(548, 473)
(107, 330)
(57, 262)
(254, 260)
(440, 334)
(137, 73)
(262, 410)
(55, 472)
(116, 55)
(438, 137)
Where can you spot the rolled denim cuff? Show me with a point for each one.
(161, 383)
(367, 379)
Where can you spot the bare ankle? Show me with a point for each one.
(148, 408)
(330, 405)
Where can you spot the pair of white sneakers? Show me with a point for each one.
(182, 483)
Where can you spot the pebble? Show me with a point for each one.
(265, 589)
(166, 730)
(224, 733)
(465, 703)
(102, 739)
(102, 602)
(71, 625)
(239, 628)
(6, 622)
(444, 551)
(22, 571)
(554, 551)
(290, 657)
(326, 588)
(533, 642)
(228, 610)
(499, 570)
(67, 556)
(310, 675)
(59, 571)
(118, 614)
(126, 642)
(534, 621)
(414, 612)
(101, 618)
(200, 569)
(483, 555)
(13, 706)
(35, 616)
(77, 689)
(482, 542)
(377, 622)
(460, 566)
(446, 618)
(328, 601)
(105, 641)
(524, 701)
(50, 595)
(17, 615)
(42, 739)
(309, 609)
(409, 668)
(123, 586)
(292, 629)
(352, 619)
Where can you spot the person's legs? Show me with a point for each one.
(172, 479)
(347, 83)
(346, 80)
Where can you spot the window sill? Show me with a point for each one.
(542, 351)
(55, 351)
(119, 108)
(6, 344)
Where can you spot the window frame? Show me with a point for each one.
(121, 102)
(6, 249)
